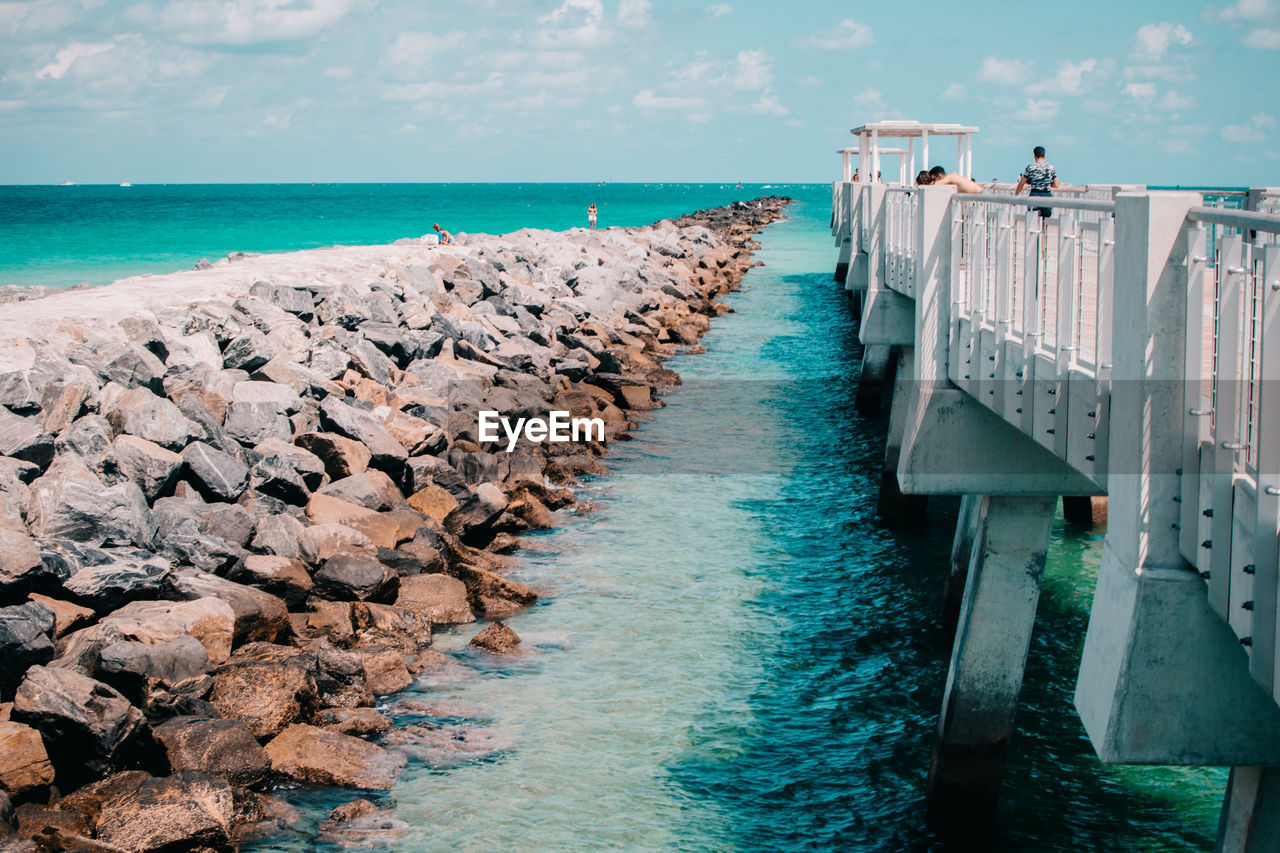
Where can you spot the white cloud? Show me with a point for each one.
(869, 99)
(634, 14)
(645, 99)
(1069, 80)
(1037, 109)
(67, 57)
(412, 48)
(848, 34)
(1244, 10)
(574, 23)
(1004, 72)
(240, 22)
(954, 92)
(1173, 101)
(808, 81)
(1152, 41)
(1168, 73)
(768, 104)
(1262, 38)
(719, 10)
(1252, 132)
(749, 71)
(1141, 91)
(753, 69)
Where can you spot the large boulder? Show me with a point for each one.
(137, 669)
(473, 519)
(497, 638)
(24, 764)
(341, 456)
(128, 575)
(153, 468)
(259, 615)
(440, 598)
(67, 617)
(183, 812)
(266, 695)
(350, 576)
(285, 577)
(69, 502)
(248, 351)
(386, 453)
(224, 748)
(308, 466)
(319, 757)
(21, 568)
(216, 475)
(254, 423)
(140, 413)
(209, 620)
(371, 490)
(26, 639)
(295, 300)
(24, 438)
(385, 672)
(88, 727)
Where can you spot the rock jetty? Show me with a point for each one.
(235, 502)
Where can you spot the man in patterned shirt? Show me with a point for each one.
(1041, 177)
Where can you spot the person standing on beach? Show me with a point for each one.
(1041, 177)
(591, 216)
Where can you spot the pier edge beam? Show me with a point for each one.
(988, 657)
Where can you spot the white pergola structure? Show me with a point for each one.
(869, 149)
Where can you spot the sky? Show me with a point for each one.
(99, 91)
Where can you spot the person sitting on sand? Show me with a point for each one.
(446, 239)
(941, 178)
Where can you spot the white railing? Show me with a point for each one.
(1230, 520)
(901, 238)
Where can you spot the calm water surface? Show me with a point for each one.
(731, 654)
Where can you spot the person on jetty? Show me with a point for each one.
(591, 216)
(1041, 177)
(446, 239)
(940, 177)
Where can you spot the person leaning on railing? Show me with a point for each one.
(1041, 177)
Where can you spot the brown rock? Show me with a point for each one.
(210, 620)
(259, 616)
(382, 532)
(370, 489)
(341, 456)
(183, 812)
(434, 502)
(332, 620)
(313, 755)
(67, 617)
(498, 639)
(320, 542)
(59, 412)
(385, 673)
(267, 697)
(441, 598)
(223, 748)
(281, 576)
(52, 821)
(24, 764)
(358, 722)
(351, 811)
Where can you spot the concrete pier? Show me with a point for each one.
(1094, 355)
(996, 616)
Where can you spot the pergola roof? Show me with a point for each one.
(912, 128)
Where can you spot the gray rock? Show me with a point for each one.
(87, 726)
(386, 453)
(26, 639)
(350, 576)
(224, 748)
(344, 308)
(278, 535)
(247, 351)
(473, 518)
(368, 359)
(328, 359)
(215, 474)
(128, 365)
(141, 413)
(215, 435)
(153, 468)
(259, 616)
(21, 568)
(394, 341)
(130, 575)
(370, 489)
(62, 402)
(70, 502)
(136, 669)
(24, 438)
(276, 478)
(89, 438)
(254, 423)
(295, 300)
(230, 522)
(182, 539)
(308, 465)
(285, 577)
(284, 398)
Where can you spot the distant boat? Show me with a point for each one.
(126, 184)
(66, 184)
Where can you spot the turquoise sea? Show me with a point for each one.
(730, 653)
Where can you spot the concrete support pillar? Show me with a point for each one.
(875, 376)
(894, 507)
(1250, 821)
(1085, 510)
(988, 657)
(968, 528)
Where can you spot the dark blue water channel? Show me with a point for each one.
(732, 653)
